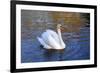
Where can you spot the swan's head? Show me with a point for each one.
(58, 26)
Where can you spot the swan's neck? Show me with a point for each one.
(60, 37)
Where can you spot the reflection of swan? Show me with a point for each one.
(52, 40)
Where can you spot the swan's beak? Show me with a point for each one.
(63, 28)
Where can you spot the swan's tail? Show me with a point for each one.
(43, 43)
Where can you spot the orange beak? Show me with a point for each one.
(63, 29)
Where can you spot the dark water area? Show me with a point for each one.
(77, 48)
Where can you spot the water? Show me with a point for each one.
(77, 48)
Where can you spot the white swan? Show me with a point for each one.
(52, 40)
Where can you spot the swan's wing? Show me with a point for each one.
(49, 40)
(43, 43)
(55, 37)
(45, 38)
(53, 34)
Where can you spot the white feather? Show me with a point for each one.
(43, 43)
(51, 40)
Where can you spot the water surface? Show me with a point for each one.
(77, 48)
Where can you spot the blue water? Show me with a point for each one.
(77, 48)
